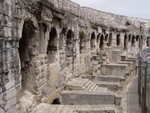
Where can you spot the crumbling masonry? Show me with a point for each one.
(56, 52)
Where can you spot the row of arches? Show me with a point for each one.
(54, 42)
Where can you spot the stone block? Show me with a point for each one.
(87, 98)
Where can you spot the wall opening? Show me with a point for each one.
(25, 55)
(148, 41)
(56, 101)
(82, 43)
(93, 41)
(101, 41)
(129, 38)
(69, 44)
(125, 42)
(106, 37)
(118, 40)
(133, 41)
(52, 45)
(137, 38)
(109, 40)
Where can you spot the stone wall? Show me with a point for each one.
(44, 43)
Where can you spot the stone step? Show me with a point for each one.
(89, 86)
(89, 98)
(47, 108)
(83, 84)
(110, 85)
(110, 78)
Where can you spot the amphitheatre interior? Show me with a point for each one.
(59, 57)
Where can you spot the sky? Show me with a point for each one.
(133, 8)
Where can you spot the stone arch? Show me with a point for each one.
(148, 41)
(133, 41)
(125, 42)
(52, 45)
(26, 44)
(109, 40)
(93, 38)
(101, 41)
(69, 43)
(118, 40)
(56, 101)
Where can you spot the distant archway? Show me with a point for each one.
(125, 42)
(25, 46)
(133, 41)
(69, 43)
(148, 41)
(52, 45)
(93, 41)
(109, 40)
(118, 40)
(101, 41)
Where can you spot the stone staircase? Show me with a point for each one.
(94, 94)
(84, 84)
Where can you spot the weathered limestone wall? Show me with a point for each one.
(44, 43)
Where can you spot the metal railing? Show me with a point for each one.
(144, 80)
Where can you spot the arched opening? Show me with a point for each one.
(106, 37)
(109, 40)
(133, 41)
(129, 38)
(118, 40)
(52, 45)
(82, 43)
(25, 46)
(101, 41)
(93, 41)
(69, 43)
(148, 41)
(125, 42)
(137, 38)
(56, 101)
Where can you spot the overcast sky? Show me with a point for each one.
(133, 8)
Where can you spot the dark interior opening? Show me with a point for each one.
(125, 42)
(106, 37)
(69, 43)
(56, 101)
(101, 41)
(148, 41)
(24, 53)
(133, 41)
(137, 38)
(52, 45)
(92, 41)
(118, 40)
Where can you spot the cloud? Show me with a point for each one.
(135, 8)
